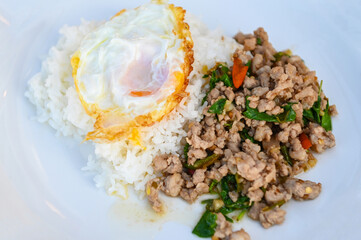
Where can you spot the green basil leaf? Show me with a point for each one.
(209, 203)
(220, 74)
(228, 184)
(326, 122)
(308, 114)
(253, 113)
(279, 55)
(305, 121)
(205, 98)
(213, 80)
(186, 150)
(206, 226)
(286, 156)
(226, 80)
(313, 114)
(241, 203)
(244, 135)
(316, 110)
(225, 216)
(223, 74)
(288, 114)
(259, 41)
(224, 210)
(205, 162)
(218, 106)
(213, 186)
(228, 124)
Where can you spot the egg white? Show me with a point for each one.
(126, 70)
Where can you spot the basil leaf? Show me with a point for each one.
(253, 113)
(225, 76)
(305, 121)
(221, 74)
(244, 135)
(240, 204)
(308, 114)
(206, 226)
(213, 80)
(313, 114)
(228, 124)
(218, 106)
(212, 186)
(288, 114)
(279, 55)
(259, 41)
(228, 184)
(208, 201)
(286, 156)
(226, 80)
(224, 212)
(316, 110)
(205, 98)
(317, 106)
(205, 162)
(228, 179)
(186, 150)
(326, 122)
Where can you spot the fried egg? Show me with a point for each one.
(133, 70)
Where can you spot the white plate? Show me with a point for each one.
(45, 195)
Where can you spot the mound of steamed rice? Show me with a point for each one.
(120, 164)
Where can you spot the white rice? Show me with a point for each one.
(120, 164)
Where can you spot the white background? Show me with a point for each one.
(45, 195)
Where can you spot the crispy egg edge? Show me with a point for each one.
(103, 133)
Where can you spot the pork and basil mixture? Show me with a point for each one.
(265, 115)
